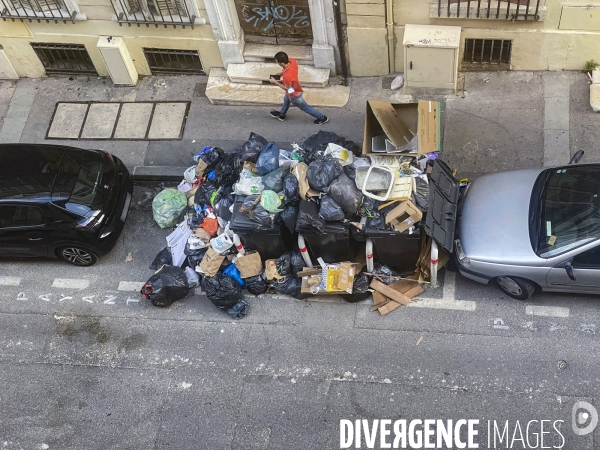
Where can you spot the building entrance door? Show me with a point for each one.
(275, 21)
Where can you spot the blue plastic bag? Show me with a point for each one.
(232, 272)
(201, 152)
(268, 160)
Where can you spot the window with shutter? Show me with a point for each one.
(168, 7)
(37, 5)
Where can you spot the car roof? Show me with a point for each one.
(28, 170)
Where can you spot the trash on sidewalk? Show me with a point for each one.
(310, 220)
(167, 285)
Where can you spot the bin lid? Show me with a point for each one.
(241, 222)
(443, 201)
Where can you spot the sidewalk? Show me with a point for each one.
(500, 121)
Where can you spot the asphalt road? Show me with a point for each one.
(87, 363)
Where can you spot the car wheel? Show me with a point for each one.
(77, 256)
(516, 287)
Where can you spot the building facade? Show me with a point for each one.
(352, 37)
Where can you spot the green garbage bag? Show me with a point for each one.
(168, 206)
(270, 201)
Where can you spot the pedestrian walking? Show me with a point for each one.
(293, 91)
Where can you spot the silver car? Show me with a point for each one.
(532, 230)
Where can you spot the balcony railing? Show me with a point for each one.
(154, 12)
(530, 10)
(39, 10)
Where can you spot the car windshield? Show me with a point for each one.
(81, 179)
(565, 209)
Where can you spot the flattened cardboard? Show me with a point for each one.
(403, 216)
(382, 118)
(347, 272)
(428, 128)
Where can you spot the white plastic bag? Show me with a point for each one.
(248, 184)
(190, 174)
(339, 153)
(398, 82)
(222, 242)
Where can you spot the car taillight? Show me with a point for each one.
(94, 220)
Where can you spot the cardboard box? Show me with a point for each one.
(403, 216)
(428, 126)
(393, 125)
(271, 272)
(344, 279)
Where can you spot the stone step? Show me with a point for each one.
(220, 90)
(257, 72)
(260, 52)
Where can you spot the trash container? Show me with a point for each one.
(271, 243)
(336, 245)
(399, 251)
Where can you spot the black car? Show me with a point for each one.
(61, 202)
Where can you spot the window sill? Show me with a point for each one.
(166, 21)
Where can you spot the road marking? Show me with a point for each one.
(10, 281)
(548, 311)
(448, 300)
(133, 286)
(70, 283)
(440, 303)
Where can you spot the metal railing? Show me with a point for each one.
(153, 12)
(39, 10)
(72, 59)
(173, 62)
(487, 51)
(490, 9)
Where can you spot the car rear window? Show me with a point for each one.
(27, 171)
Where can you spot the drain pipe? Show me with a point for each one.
(341, 41)
(389, 12)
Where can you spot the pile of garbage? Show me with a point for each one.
(324, 180)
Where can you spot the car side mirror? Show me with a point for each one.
(570, 272)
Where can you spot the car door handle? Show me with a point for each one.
(35, 239)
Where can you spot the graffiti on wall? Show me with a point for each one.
(265, 18)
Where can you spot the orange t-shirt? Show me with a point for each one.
(289, 77)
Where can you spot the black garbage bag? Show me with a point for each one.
(350, 145)
(322, 172)
(376, 223)
(345, 193)
(194, 260)
(193, 252)
(361, 283)
(330, 210)
(211, 158)
(223, 200)
(291, 191)
(350, 171)
(255, 212)
(268, 160)
(421, 194)
(368, 207)
(387, 274)
(308, 217)
(284, 264)
(195, 218)
(296, 262)
(273, 181)
(166, 286)
(239, 310)
(227, 170)
(162, 258)
(204, 193)
(319, 141)
(289, 215)
(252, 147)
(290, 285)
(223, 291)
(256, 285)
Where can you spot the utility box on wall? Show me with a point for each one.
(431, 56)
(118, 61)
